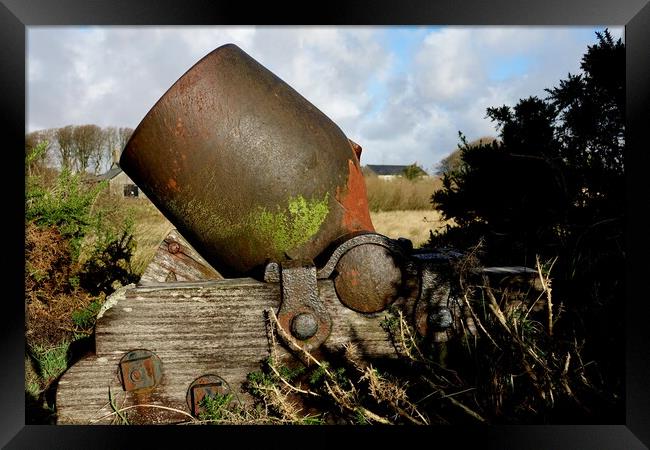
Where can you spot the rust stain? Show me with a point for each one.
(357, 149)
(188, 81)
(355, 201)
(180, 129)
(171, 184)
(354, 277)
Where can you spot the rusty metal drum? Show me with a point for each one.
(245, 167)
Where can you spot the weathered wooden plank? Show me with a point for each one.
(197, 328)
(176, 260)
(85, 400)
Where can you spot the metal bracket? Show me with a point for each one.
(301, 312)
(140, 370)
(370, 272)
(394, 246)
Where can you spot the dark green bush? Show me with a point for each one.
(553, 186)
(67, 206)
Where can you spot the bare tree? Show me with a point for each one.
(38, 146)
(124, 136)
(113, 144)
(102, 153)
(87, 139)
(65, 143)
(81, 147)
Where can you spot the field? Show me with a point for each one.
(401, 194)
(412, 224)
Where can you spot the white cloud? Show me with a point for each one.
(447, 65)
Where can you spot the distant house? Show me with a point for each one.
(385, 172)
(118, 181)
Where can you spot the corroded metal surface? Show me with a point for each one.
(370, 271)
(302, 312)
(345, 245)
(245, 167)
(369, 278)
(140, 370)
(431, 311)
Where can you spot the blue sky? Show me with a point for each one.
(403, 93)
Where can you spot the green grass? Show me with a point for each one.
(214, 408)
(85, 317)
(32, 388)
(52, 361)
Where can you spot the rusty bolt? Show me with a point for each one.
(304, 326)
(174, 247)
(135, 375)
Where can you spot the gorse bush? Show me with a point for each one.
(85, 317)
(34, 157)
(553, 185)
(67, 206)
(454, 160)
(555, 177)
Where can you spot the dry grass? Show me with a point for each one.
(400, 193)
(413, 225)
(149, 225)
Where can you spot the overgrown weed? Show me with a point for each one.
(63, 291)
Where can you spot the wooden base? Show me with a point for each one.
(195, 328)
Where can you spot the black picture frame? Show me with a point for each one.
(16, 15)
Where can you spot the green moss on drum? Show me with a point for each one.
(264, 233)
(286, 230)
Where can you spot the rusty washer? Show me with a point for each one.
(139, 370)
